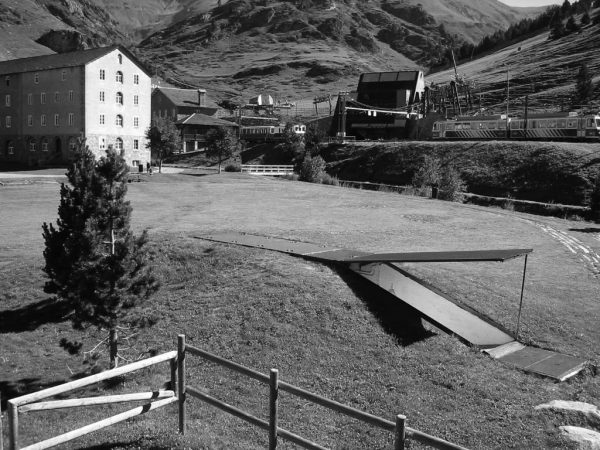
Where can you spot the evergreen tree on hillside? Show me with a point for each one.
(93, 261)
(584, 88)
(565, 8)
(558, 31)
(572, 26)
(585, 19)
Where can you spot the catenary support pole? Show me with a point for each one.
(273, 408)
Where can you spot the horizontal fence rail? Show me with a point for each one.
(261, 169)
(401, 431)
(31, 402)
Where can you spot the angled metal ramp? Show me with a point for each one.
(382, 269)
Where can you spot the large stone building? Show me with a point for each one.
(49, 102)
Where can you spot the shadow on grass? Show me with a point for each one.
(16, 388)
(137, 443)
(30, 317)
(396, 317)
(586, 230)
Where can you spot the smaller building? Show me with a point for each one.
(178, 103)
(195, 127)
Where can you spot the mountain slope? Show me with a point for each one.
(311, 46)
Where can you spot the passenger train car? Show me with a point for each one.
(556, 126)
(269, 132)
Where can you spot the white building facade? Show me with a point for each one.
(50, 102)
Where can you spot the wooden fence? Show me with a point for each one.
(179, 392)
(31, 402)
(399, 428)
(272, 170)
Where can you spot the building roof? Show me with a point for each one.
(184, 97)
(203, 119)
(60, 60)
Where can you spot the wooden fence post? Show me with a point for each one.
(173, 365)
(13, 426)
(181, 380)
(273, 407)
(400, 435)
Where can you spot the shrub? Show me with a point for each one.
(428, 174)
(312, 169)
(451, 185)
(330, 180)
(233, 167)
(290, 176)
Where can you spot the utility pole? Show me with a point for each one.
(526, 114)
(507, 102)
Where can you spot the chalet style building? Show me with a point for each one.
(191, 111)
(49, 102)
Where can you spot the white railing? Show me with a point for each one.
(272, 170)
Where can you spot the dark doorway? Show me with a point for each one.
(58, 146)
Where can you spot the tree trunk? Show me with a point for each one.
(160, 165)
(220, 160)
(112, 347)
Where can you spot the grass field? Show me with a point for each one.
(322, 327)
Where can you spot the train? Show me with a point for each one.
(548, 126)
(269, 132)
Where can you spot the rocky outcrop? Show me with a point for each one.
(62, 41)
(584, 438)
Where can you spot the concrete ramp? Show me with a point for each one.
(435, 308)
(469, 326)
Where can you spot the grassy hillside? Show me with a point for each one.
(323, 328)
(541, 68)
(314, 46)
(546, 172)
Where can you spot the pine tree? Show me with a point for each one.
(558, 30)
(585, 19)
(572, 26)
(584, 88)
(93, 260)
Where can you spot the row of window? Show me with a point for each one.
(32, 145)
(70, 120)
(119, 76)
(119, 120)
(119, 98)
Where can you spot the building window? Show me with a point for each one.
(102, 96)
(120, 58)
(119, 144)
(7, 80)
(7, 100)
(136, 100)
(43, 120)
(136, 79)
(29, 120)
(32, 145)
(119, 98)
(43, 98)
(102, 74)
(72, 144)
(71, 96)
(119, 120)
(36, 78)
(30, 99)
(136, 122)
(11, 148)
(56, 97)
(8, 121)
(119, 77)
(102, 143)
(71, 118)
(136, 144)
(56, 120)
(63, 75)
(101, 119)
(44, 145)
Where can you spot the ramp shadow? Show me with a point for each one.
(396, 317)
(32, 316)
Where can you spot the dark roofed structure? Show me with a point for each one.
(60, 60)
(204, 120)
(174, 102)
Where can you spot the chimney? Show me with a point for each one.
(201, 97)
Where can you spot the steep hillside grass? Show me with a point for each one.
(545, 172)
(325, 329)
